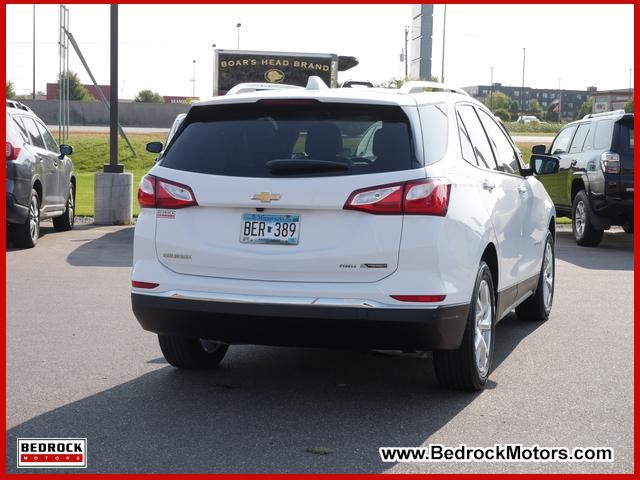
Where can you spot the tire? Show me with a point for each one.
(26, 235)
(66, 221)
(459, 369)
(537, 307)
(628, 228)
(584, 233)
(190, 353)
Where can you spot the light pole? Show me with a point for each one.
(33, 92)
(444, 30)
(630, 78)
(238, 27)
(559, 102)
(524, 56)
(213, 83)
(193, 79)
(491, 84)
(406, 53)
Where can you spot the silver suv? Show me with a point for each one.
(40, 178)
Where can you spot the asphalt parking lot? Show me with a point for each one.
(79, 365)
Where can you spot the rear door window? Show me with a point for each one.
(49, 141)
(34, 133)
(239, 139)
(578, 140)
(478, 137)
(505, 153)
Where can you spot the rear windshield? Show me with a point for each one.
(239, 139)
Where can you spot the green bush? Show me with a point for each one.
(534, 127)
(502, 114)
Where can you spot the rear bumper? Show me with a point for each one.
(16, 212)
(303, 325)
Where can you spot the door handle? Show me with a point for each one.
(55, 164)
(573, 163)
(487, 185)
(522, 189)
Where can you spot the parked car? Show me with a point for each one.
(174, 127)
(528, 119)
(263, 223)
(594, 182)
(40, 178)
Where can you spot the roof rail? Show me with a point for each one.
(255, 87)
(604, 114)
(17, 104)
(418, 86)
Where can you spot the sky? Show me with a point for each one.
(574, 45)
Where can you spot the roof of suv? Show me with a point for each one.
(389, 96)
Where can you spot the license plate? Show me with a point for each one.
(270, 229)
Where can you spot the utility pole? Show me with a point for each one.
(406, 53)
(238, 27)
(193, 79)
(559, 102)
(491, 84)
(444, 34)
(33, 91)
(113, 166)
(213, 82)
(630, 79)
(524, 56)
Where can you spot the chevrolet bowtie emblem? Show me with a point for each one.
(266, 197)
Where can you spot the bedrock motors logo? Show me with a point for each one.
(52, 453)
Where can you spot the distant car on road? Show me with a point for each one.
(594, 182)
(40, 179)
(355, 218)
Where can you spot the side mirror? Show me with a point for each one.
(154, 147)
(539, 150)
(544, 164)
(66, 149)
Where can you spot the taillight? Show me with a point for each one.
(415, 197)
(12, 151)
(610, 162)
(156, 192)
(419, 298)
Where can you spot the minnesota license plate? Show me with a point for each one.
(270, 229)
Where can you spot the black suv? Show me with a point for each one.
(40, 178)
(594, 182)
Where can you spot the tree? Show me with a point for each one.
(77, 90)
(497, 101)
(629, 106)
(11, 93)
(586, 108)
(514, 109)
(148, 96)
(534, 108)
(502, 114)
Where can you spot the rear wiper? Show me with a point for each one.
(282, 165)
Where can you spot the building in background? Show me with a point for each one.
(549, 99)
(421, 42)
(608, 100)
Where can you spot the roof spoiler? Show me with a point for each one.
(256, 87)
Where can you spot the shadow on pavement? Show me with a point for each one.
(113, 249)
(261, 409)
(615, 252)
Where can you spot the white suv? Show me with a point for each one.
(383, 219)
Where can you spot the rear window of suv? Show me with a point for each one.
(239, 139)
